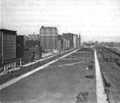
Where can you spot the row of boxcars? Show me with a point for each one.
(16, 50)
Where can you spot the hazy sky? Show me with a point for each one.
(94, 19)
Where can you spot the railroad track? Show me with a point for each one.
(110, 71)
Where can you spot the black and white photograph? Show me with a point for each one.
(59, 51)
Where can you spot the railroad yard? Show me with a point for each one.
(69, 80)
(109, 62)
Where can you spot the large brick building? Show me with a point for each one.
(74, 39)
(69, 36)
(48, 38)
(7, 48)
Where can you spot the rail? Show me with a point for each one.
(107, 59)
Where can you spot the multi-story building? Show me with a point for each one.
(19, 49)
(79, 40)
(69, 36)
(0, 49)
(33, 37)
(49, 38)
(60, 43)
(75, 40)
(7, 49)
(64, 43)
(19, 46)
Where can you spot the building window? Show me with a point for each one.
(47, 30)
(41, 30)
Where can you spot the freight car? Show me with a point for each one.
(8, 49)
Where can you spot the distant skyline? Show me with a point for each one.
(93, 19)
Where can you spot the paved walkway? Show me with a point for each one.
(101, 95)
